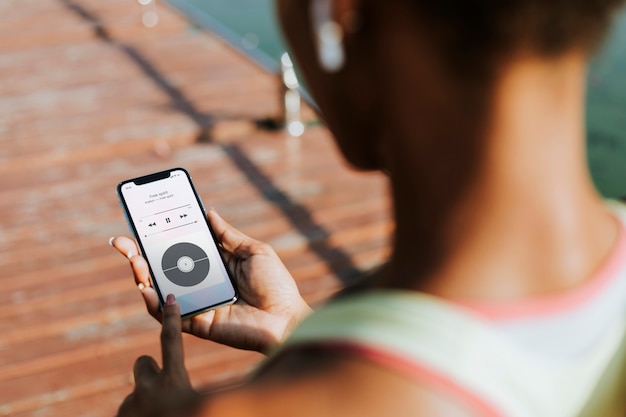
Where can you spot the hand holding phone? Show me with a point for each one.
(269, 306)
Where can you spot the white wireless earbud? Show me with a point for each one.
(328, 36)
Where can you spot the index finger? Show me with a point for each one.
(171, 337)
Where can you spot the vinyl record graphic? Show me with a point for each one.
(185, 264)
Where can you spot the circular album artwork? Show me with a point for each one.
(185, 264)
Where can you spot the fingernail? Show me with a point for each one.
(129, 255)
(111, 239)
(171, 300)
(141, 286)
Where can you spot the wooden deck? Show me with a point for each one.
(88, 97)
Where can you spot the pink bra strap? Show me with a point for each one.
(415, 370)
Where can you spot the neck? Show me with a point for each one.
(529, 222)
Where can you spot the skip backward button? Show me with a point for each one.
(152, 225)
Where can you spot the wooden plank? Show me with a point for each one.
(79, 112)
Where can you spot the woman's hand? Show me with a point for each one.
(269, 306)
(167, 391)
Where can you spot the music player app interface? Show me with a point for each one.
(177, 242)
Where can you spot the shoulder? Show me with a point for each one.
(301, 384)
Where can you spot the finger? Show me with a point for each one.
(126, 408)
(200, 325)
(151, 298)
(140, 271)
(145, 370)
(171, 338)
(232, 239)
(142, 279)
(125, 246)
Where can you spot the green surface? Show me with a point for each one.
(251, 26)
(606, 113)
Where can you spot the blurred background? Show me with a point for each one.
(92, 93)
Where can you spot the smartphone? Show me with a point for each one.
(169, 221)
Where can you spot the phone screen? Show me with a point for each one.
(166, 216)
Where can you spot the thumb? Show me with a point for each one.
(232, 239)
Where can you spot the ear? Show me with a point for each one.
(346, 13)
